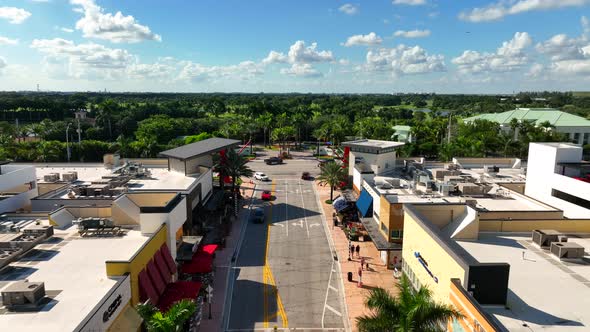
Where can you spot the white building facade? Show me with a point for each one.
(18, 184)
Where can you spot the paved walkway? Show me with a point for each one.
(378, 276)
(222, 265)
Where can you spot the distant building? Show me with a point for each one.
(18, 185)
(402, 134)
(575, 127)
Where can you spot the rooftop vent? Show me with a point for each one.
(51, 177)
(23, 294)
(567, 250)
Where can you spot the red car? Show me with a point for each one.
(266, 195)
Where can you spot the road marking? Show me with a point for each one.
(333, 310)
(327, 292)
(332, 287)
(269, 280)
(300, 223)
(315, 224)
(303, 208)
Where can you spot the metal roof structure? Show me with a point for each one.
(197, 149)
(537, 115)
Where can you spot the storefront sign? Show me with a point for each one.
(107, 311)
(425, 265)
(111, 309)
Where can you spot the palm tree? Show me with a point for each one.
(172, 320)
(331, 174)
(235, 167)
(411, 311)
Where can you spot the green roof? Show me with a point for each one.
(537, 115)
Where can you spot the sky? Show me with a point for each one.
(318, 46)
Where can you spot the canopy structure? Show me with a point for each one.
(365, 204)
(377, 237)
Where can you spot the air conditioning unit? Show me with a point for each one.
(70, 176)
(51, 177)
(567, 250)
(23, 293)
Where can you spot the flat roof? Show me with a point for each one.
(161, 179)
(544, 293)
(373, 143)
(196, 149)
(73, 267)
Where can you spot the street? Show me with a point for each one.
(285, 274)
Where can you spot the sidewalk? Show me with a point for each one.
(222, 264)
(378, 276)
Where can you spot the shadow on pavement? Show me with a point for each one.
(248, 305)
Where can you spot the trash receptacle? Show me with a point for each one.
(350, 276)
(335, 220)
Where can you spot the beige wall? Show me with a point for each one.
(151, 198)
(47, 187)
(442, 265)
(565, 225)
(520, 215)
(90, 211)
(392, 215)
(442, 215)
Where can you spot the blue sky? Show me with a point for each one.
(376, 46)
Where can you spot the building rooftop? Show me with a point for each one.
(160, 179)
(74, 272)
(537, 115)
(197, 149)
(372, 143)
(544, 293)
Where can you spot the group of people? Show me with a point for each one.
(353, 249)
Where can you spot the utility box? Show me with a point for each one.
(23, 294)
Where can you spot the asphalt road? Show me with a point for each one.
(285, 273)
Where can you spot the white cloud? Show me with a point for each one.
(2, 62)
(500, 9)
(65, 59)
(536, 70)
(412, 33)
(299, 53)
(433, 14)
(568, 56)
(409, 2)
(14, 15)
(585, 26)
(404, 60)
(67, 30)
(116, 28)
(275, 57)
(344, 62)
(511, 56)
(349, 9)
(7, 41)
(301, 69)
(196, 72)
(370, 39)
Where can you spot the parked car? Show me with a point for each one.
(305, 176)
(261, 176)
(257, 216)
(266, 195)
(273, 161)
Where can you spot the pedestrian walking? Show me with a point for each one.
(362, 262)
(358, 250)
(351, 251)
(360, 283)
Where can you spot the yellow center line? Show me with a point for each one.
(269, 284)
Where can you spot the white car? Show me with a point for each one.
(261, 176)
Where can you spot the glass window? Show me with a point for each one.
(397, 234)
(586, 138)
(577, 138)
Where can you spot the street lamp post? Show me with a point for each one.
(68, 141)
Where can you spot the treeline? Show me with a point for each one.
(143, 124)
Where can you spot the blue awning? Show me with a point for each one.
(340, 204)
(365, 204)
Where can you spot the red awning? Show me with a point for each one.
(200, 264)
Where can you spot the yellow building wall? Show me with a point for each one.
(473, 319)
(442, 265)
(392, 215)
(564, 225)
(138, 262)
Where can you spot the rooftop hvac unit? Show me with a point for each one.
(446, 188)
(544, 237)
(70, 176)
(567, 250)
(23, 293)
(51, 177)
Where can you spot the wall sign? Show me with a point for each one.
(112, 308)
(425, 265)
